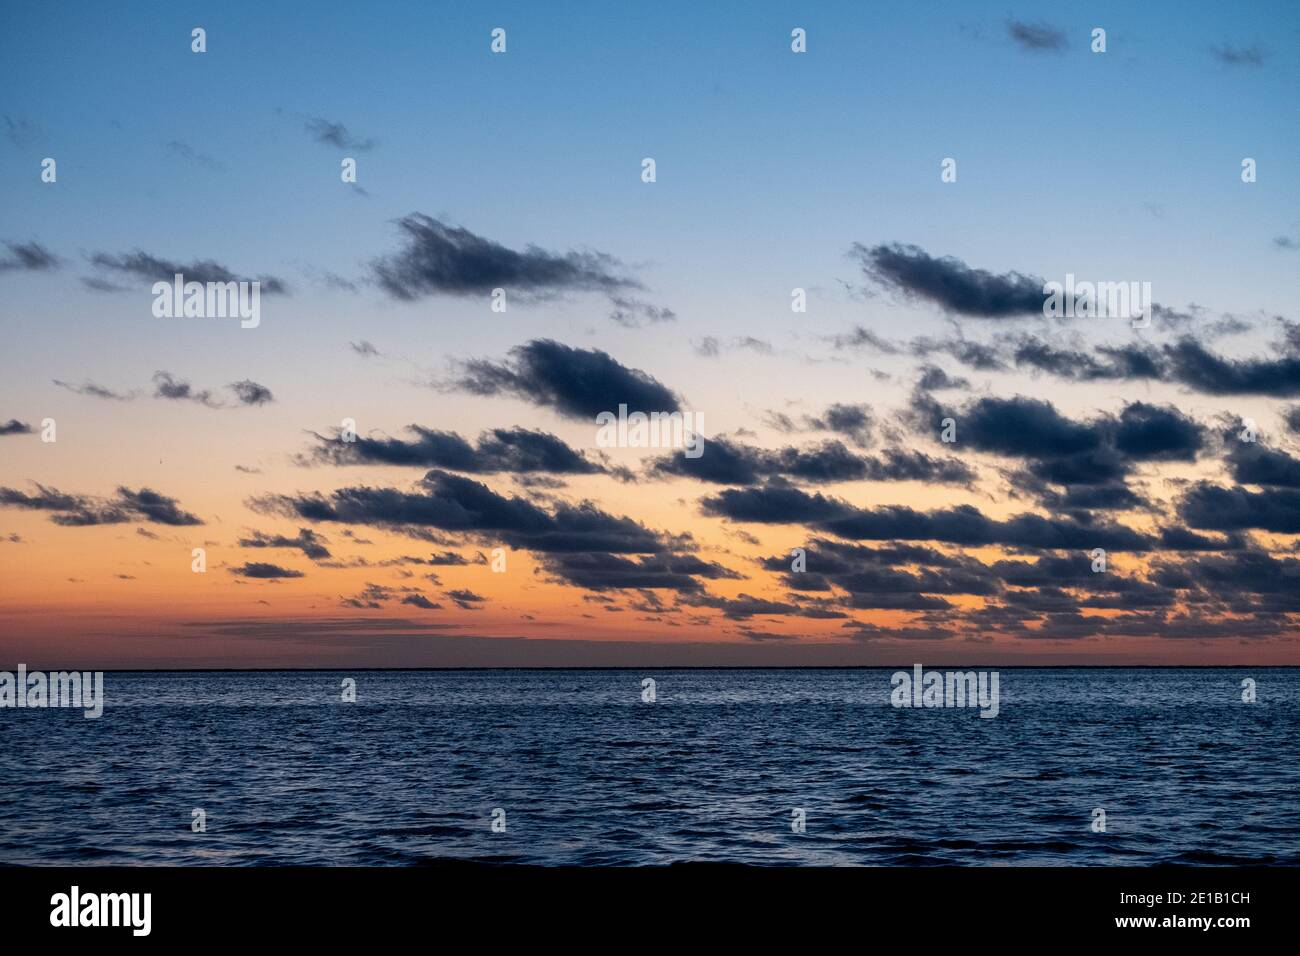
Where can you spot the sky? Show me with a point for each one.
(477, 519)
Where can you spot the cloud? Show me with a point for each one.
(962, 525)
(853, 421)
(1230, 55)
(517, 450)
(976, 355)
(1036, 37)
(1064, 451)
(1214, 508)
(453, 503)
(185, 151)
(861, 338)
(1185, 362)
(465, 599)
(73, 510)
(1117, 362)
(710, 347)
(259, 569)
(168, 386)
(93, 390)
(21, 132)
(419, 600)
(606, 572)
(155, 507)
(246, 391)
(1191, 364)
(578, 543)
(335, 134)
(729, 462)
(935, 379)
(250, 393)
(307, 541)
(1253, 464)
(632, 313)
(439, 259)
(28, 257)
(364, 349)
(15, 427)
(153, 269)
(950, 283)
(576, 383)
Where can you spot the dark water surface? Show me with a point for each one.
(588, 774)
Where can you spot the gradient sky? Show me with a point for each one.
(775, 170)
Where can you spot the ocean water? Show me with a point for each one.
(588, 774)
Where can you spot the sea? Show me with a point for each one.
(779, 767)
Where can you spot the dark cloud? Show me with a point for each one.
(307, 541)
(935, 379)
(1230, 55)
(516, 450)
(419, 600)
(1062, 451)
(155, 507)
(577, 383)
(1116, 363)
(83, 510)
(21, 132)
(364, 349)
(246, 391)
(853, 421)
(452, 503)
(249, 392)
(335, 134)
(861, 338)
(15, 427)
(976, 355)
(28, 257)
(153, 269)
(259, 569)
(604, 572)
(951, 283)
(1191, 364)
(93, 390)
(168, 386)
(1185, 362)
(578, 543)
(1291, 417)
(449, 260)
(708, 347)
(185, 151)
(464, 599)
(1214, 508)
(1036, 37)
(962, 525)
(725, 461)
(1147, 432)
(1253, 464)
(633, 313)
